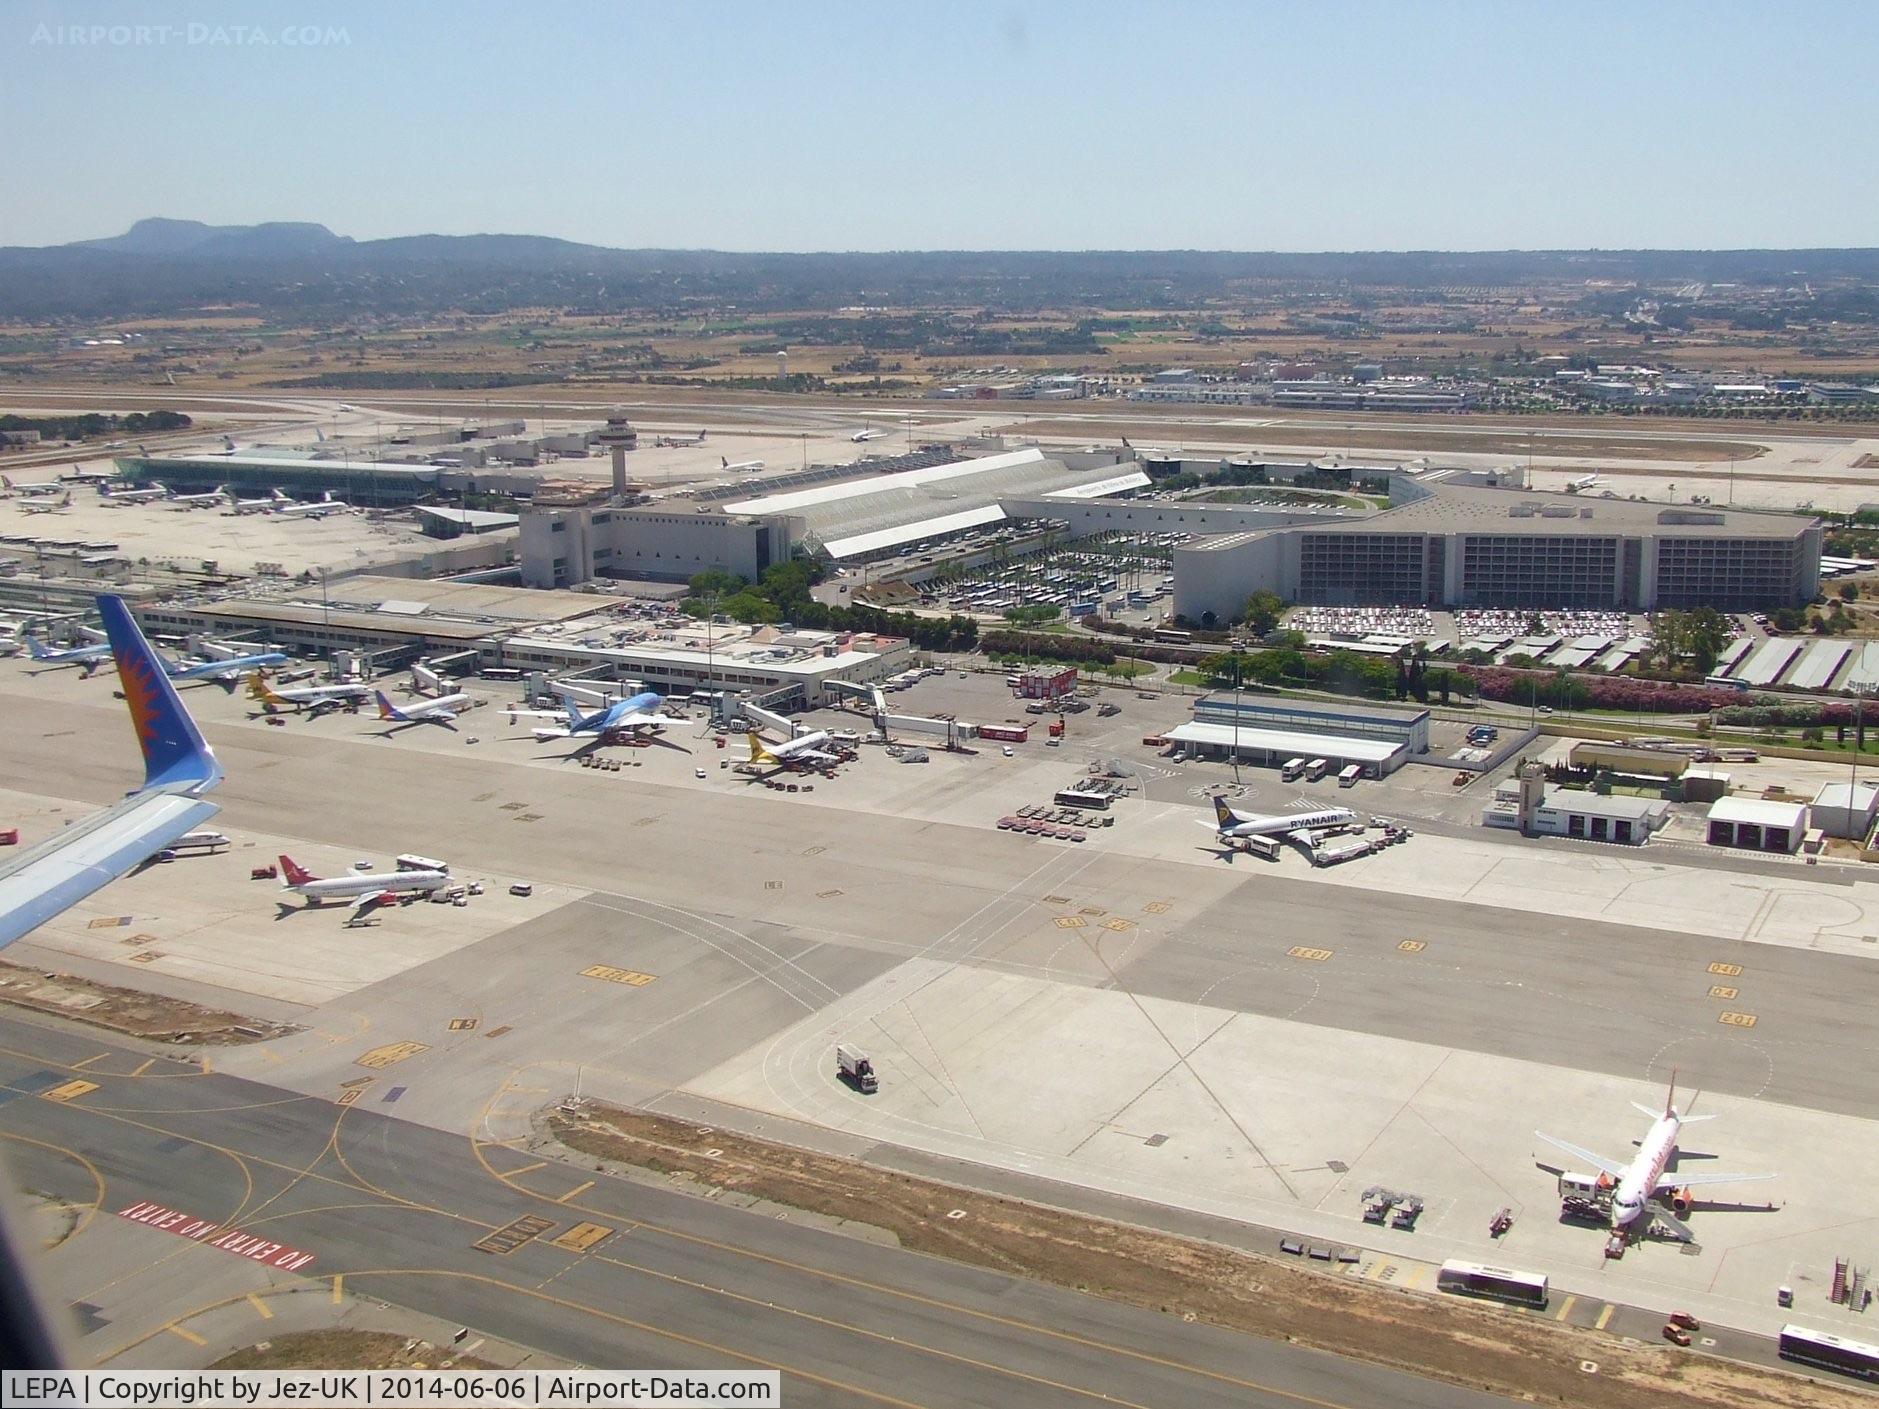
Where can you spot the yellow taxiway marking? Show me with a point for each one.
(1726, 970)
(187, 1335)
(1564, 1307)
(348, 1096)
(80, 1066)
(261, 1307)
(205, 1064)
(339, 1285)
(575, 1192)
(1317, 956)
(613, 975)
(539, 1164)
(1412, 946)
(1070, 922)
(392, 1052)
(71, 1090)
(145, 1066)
(1604, 1317)
(1736, 1019)
(582, 1236)
(1719, 991)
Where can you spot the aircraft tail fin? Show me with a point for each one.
(175, 753)
(758, 753)
(294, 873)
(386, 709)
(37, 648)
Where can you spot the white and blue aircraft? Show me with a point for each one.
(86, 656)
(223, 672)
(608, 725)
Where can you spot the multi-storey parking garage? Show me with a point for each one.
(1470, 545)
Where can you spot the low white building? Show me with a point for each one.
(1756, 824)
(1528, 805)
(1844, 810)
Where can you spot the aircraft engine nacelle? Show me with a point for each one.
(1680, 1201)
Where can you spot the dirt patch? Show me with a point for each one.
(347, 1350)
(1477, 1346)
(147, 1015)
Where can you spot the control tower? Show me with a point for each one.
(619, 437)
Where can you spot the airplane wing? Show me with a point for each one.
(638, 720)
(55, 875)
(366, 904)
(815, 756)
(1691, 1181)
(1672, 1226)
(1598, 1162)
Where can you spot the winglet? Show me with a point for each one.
(176, 756)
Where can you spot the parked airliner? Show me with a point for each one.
(1643, 1178)
(1232, 826)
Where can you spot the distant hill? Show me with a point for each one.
(300, 271)
(157, 236)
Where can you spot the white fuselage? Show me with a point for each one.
(1287, 822)
(799, 746)
(1637, 1186)
(449, 705)
(316, 694)
(343, 887)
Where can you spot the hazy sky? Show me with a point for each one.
(795, 125)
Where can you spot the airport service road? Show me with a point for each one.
(672, 1280)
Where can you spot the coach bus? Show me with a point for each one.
(1473, 1279)
(1830, 1352)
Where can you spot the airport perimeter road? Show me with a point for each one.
(667, 1279)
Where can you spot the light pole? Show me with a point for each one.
(1236, 718)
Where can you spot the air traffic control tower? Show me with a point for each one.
(619, 437)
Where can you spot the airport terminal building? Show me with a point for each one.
(1469, 545)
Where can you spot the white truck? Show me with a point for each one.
(1341, 849)
(852, 1065)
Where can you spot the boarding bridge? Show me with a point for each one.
(457, 663)
(869, 694)
(951, 731)
(757, 714)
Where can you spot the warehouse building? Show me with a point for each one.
(1527, 805)
(1757, 824)
(566, 545)
(1273, 732)
(1846, 810)
(863, 519)
(369, 484)
(1454, 544)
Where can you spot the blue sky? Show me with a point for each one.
(792, 126)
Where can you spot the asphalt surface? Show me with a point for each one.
(677, 1281)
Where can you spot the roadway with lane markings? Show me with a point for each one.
(676, 1281)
